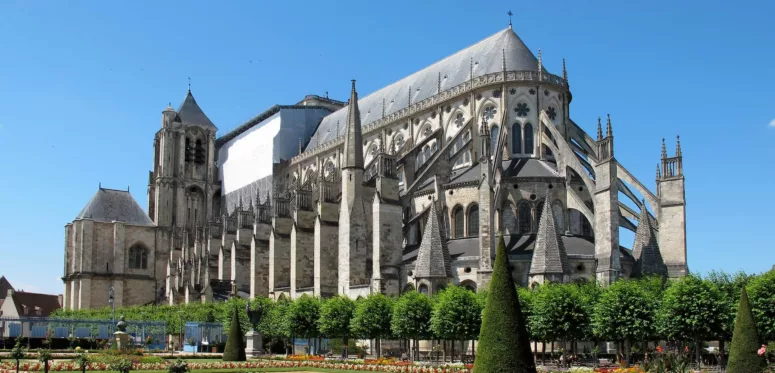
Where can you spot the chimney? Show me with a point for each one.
(10, 293)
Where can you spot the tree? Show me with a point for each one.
(226, 312)
(456, 315)
(17, 353)
(335, 316)
(560, 311)
(503, 340)
(693, 310)
(235, 346)
(258, 308)
(274, 325)
(745, 341)
(372, 318)
(302, 317)
(762, 298)
(411, 317)
(730, 287)
(44, 356)
(625, 312)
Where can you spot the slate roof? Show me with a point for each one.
(486, 55)
(433, 259)
(46, 302)
(190, 113)
(645, 249)
(549, 254)
(109, 205)
(528, 167)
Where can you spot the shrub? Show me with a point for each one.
(745, 341)
(179, 366)
(503, 340)
(235, 347)
(123, 366)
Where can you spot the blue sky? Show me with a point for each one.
(83, 84)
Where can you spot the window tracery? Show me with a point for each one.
(473, 221)
(522, 109)
(516, 138)
(528, 138)
(138, 257)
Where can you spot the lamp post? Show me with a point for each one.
(111, 301)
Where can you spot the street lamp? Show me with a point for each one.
(112, 302)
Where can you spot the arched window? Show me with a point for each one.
(524, 217)
(559, 216)
(508, 220)
(423, 289)
(528, 138)
(459, 217)
(408, 288)
(447, 232)
(199, 152)
(398, 142)
(516, 138)
(494, 137)
(330, 168)
(138, 257)
(468, 284)
(413, 234)
(473, 221)
(427, 153)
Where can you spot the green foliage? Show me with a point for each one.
(179, 366)
(730, 287)
(123, 366)
(411, 317)
(693, 310)
(745, 341)
(274, 324)
(456, 315)
(503, 341)
(335, 315)
(559, 312)
(526, 299)
(626, 310)
(44, 356)
(259, 308)
(372, 317)
(302, 317)
(235, 347)
(18, 351)
(226, 311)
(82, 360)
(762, 297)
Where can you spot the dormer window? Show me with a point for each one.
(25, 309)
(38, 311)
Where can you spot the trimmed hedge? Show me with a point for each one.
(235, 346)
(503, 340)
(743, 356)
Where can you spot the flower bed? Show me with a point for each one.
(10, 366)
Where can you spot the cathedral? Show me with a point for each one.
(407, 188)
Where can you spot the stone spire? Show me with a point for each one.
(659, 173)
(645, 250)
(353, 143)
(677, 146)
(609, 132)
(599, 129)
(664, 149)
(549, 256)
(564, 71)
(433, 260)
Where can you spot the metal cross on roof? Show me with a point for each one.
(510, 14)
(189, 84)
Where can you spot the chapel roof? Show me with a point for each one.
(108, 205)
(45, 303)
(549, 250)
(433, 258)
(190, 113)
(482, 58)
(645, 249)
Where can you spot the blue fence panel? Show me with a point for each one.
(38, 331)
(103, 332)
(82, 332)
(14, 329)
(61, 332)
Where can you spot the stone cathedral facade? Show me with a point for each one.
(406, 188)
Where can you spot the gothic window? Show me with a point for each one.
(467, 136)
(398, 142)
(552, 112)
(413, 234)
(559, 216)
(199, 152)
(473, 221)
(374, 150)
(426, 153)
(459, 120)
(188, 155)
(521, 109)
(539, 211)
(330, 168)
(508, 220)
(447, 232)
(524, 217)
(494, 137)
(423, 289)
(489, 113)
(459, 217)
(138, 257)
(427, 131)
(586, 228)
(528, 138)
(434, 147)
(516, 138)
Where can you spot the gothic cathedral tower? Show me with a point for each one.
(183, 188)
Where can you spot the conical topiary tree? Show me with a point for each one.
(235, 346)
(503, 341)
(743, 356)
